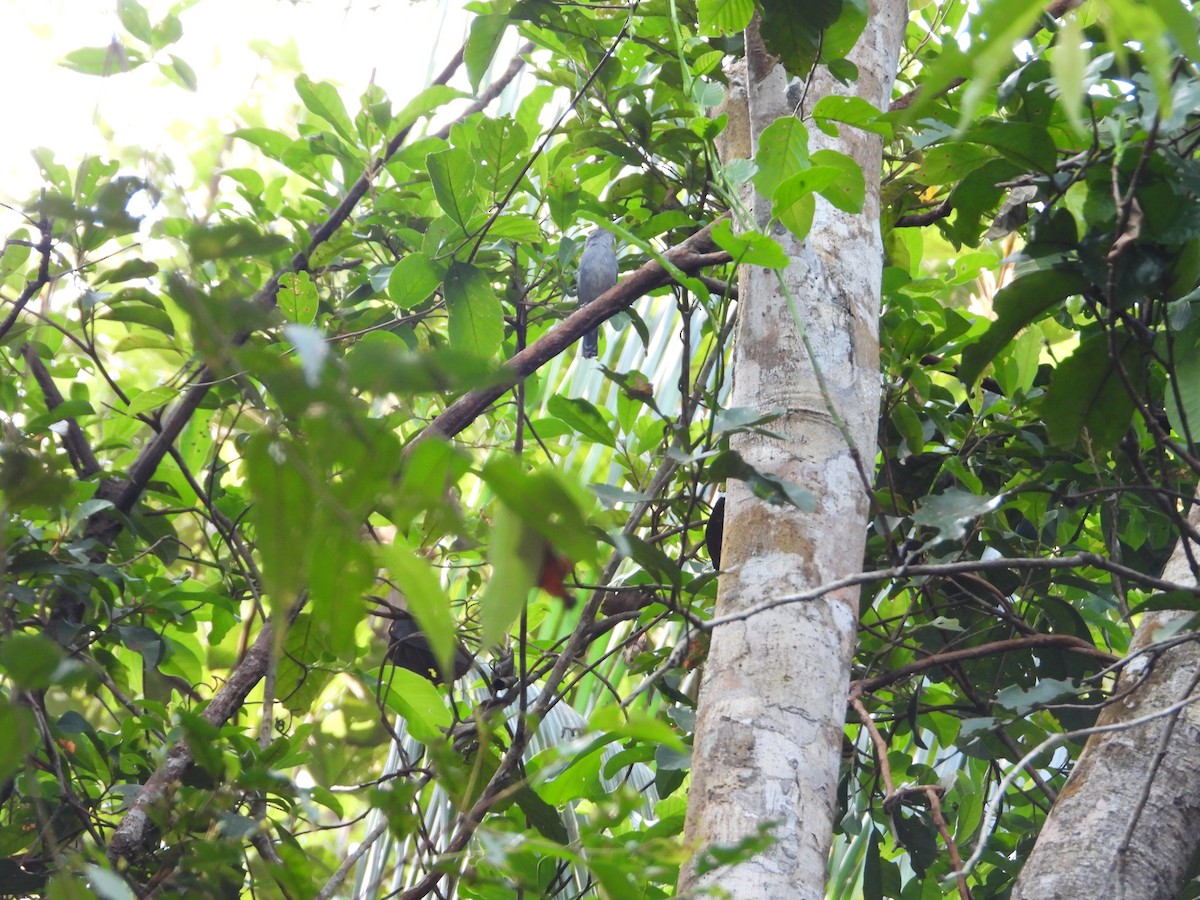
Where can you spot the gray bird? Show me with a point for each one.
(597, 273)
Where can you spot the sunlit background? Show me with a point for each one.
(241, 51)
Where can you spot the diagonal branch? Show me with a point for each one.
(137, 830)
(692, 255)
(39, 281)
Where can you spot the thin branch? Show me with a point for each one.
(1033, 642)
(993, 807)
(40, 280)
(76, 443)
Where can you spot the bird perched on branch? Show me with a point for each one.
(409, 649)
(597, 273)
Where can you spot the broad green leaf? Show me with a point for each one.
(1068, 62)
(1180, 21)
(1088, 396)
(68, 409)
(115, 59)
(133, 16)
(148, 400)
(17, 723)
(476, 320)
(180, 72)
(1016, 305)
(1029, 146)
(426, 716)
(273, 143)
(424, 104)
(793, 34)
(424, 596)
(322, 99)
(749, 247)
(452, 173)
(1183, 393)
(30, 660)
(297, 297)
(231, 240)
(724, 16)
(782, 153)
(128, 270)
(775, 490)
(413, 280)
(542, 499)
(847, 190)
(279, 478)
(482, 41)
(950, 512)
(583, 417)
(516, 553)
(853, 111)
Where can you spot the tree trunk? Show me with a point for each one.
(1127, 821)
(773, 699)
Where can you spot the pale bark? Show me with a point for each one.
(1127, 822)
(773, 699)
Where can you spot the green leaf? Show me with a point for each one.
(1022, 700)
(114, 59)
(1088, 395)
(17, 723)
(30, 660)
(1016, 305)
(426, 599)
(452, 173)
(1068, 62)
(724, 16)
(739, 419)
(516, 553)
(297, 297)
(1183, 392)
(148, 400)
(273, 143)
(322, 99)
(133, 16)
(482, 41)
(950, 512)
(426, 716)
(775, 490)
(68, 409)
(180, 72)
(413, 280)
(544, 502)
(782, 152)
(1029, 146)
(853, 111)
(793, 33)
(793, 202)
(107, 884)
(476, 320)
(848, 189)
(1179, 20)
(230, 240)
(751, 248)
(424, 104)
(279, 478)
(583, 417)
(128, 270)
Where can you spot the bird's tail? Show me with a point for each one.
(591, 344)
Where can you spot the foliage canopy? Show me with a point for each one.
(237, 430)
